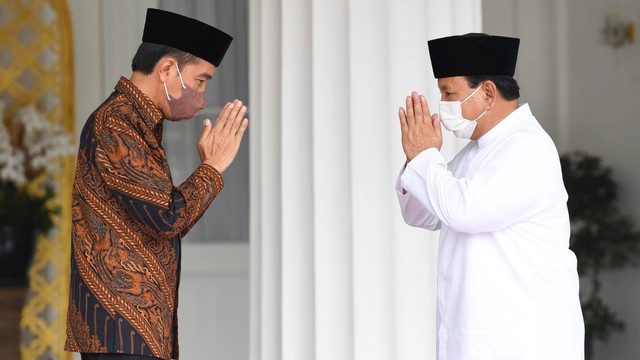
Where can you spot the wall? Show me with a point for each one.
(536, 74)
(604, 93)
(87, 81)
(585, 94)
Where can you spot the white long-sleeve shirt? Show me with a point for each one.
(507, 281)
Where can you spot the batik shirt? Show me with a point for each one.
(128, 219)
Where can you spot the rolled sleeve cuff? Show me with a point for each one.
(209, 172)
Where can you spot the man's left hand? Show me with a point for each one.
(420, 130)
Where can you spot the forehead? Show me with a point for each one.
(199, 66)
(453, 83)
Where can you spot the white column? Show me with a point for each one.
(330, 116)
(266, 199)
(297, 182)
(336, 274)
(373, 207)
(414, 249)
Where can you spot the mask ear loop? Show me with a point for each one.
(181, 81)
(481, 115)
(470, 96)
(180, 75)
(473, 93)
(166, 91)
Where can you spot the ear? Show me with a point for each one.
(164, 68)
(491, 92)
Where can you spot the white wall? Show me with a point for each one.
(86, 60)
(586, 95)
(536, 71)
(604, 95)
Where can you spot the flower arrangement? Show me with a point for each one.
(31, 148)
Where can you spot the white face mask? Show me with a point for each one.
(452, 119)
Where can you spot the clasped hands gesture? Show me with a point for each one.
(420, 130)
(219, 143)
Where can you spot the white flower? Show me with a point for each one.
(43, 144)
(12, 169)
(11, 160)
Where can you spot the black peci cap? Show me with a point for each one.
(473, 54)
(186, 34)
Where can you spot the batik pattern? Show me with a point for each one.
(128, 219)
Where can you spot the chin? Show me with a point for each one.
(180, 119)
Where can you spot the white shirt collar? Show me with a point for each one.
(523, 111)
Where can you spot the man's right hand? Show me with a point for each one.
(219, 144)
(420, 130)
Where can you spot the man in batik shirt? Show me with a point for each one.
(128, 217)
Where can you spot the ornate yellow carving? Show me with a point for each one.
(36, 67)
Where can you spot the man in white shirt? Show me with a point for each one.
(507, 280)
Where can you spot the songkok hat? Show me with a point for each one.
(473, 54)
(186, 34)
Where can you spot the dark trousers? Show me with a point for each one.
(85, 356)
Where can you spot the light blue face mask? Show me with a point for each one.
(452, 119)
